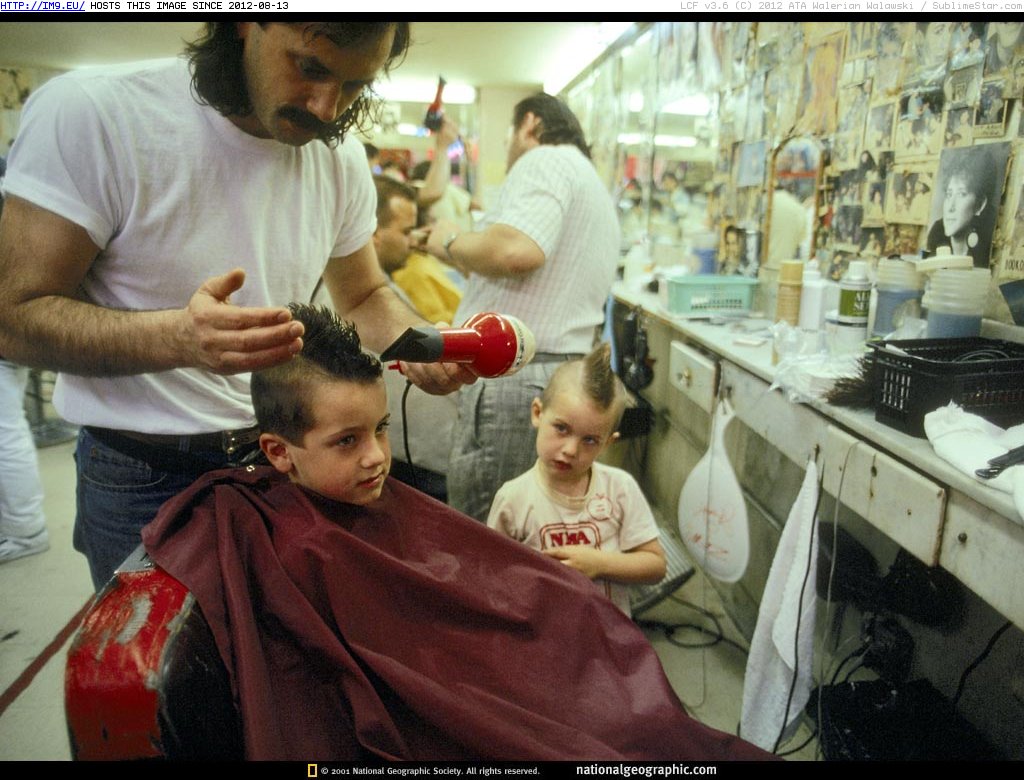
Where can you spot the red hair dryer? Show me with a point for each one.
(490, 344)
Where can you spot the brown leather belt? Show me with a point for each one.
(227, 442)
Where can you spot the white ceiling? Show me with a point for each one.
(476, 53)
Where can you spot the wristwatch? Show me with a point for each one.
(448, 244)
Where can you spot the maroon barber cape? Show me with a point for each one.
(406, 630)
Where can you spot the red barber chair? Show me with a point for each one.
(144, 678)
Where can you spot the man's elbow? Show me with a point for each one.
(521, 259)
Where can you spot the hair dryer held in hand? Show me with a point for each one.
(490, 344)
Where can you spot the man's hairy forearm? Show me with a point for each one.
(381, 318)
(62, 334)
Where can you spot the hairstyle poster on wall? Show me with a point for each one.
(878, 134)
(959, 127)
(821, 77)
(919, 127)
(928, 52)
(963, 213)
(990, 119)
(910, 194)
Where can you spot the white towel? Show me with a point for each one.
(775, 650)
(969, 442)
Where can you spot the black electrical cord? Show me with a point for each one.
(405, 436)
(855, 654)
(668, 629)
(977, 661)
(721, 637)
(853, 670)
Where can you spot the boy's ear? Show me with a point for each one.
(277, 452)
(536, 407)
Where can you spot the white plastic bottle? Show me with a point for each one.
(812, 298)
(854, 305)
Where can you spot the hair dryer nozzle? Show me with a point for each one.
(416, 345)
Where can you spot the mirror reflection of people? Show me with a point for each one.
(789, 227)
(964, 224)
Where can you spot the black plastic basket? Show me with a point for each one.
(983, 376)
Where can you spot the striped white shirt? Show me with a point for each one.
(554, 195)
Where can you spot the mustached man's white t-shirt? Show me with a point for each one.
(173, 193)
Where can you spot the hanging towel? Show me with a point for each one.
(775, 652)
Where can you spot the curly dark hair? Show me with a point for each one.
(331, 352)
(218, 77)
(559, 124)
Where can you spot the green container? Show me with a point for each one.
(708, 293)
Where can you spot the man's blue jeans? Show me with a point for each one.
(117, 495)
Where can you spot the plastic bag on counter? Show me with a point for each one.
(805, 370)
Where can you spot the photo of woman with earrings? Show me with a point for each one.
(965, 203)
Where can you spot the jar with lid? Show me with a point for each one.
(900, 287)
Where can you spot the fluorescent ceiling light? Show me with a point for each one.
(632, 139)
(405, 128)
(578, 51)
(423, 90)
(693, 105)
(675, 140)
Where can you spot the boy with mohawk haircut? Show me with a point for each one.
(589, 515)
(323, 416)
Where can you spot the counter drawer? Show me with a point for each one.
(983, 550)
(906, 506)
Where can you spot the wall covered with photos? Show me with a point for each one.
(916, 126)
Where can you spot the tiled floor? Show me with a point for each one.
(42, 593)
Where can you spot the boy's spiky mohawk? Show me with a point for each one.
(331, 351)
(597, 381)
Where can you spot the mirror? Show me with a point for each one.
(634, 136)
(793, 202)
(652, 123)
(401, 137)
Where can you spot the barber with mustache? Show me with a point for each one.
(160, 217)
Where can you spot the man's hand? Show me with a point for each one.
(228, 339)
(438, 378)
(446, 136)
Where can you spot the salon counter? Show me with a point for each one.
(894, 481)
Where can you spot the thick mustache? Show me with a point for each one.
(303, 119)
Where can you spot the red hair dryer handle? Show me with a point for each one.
(461, 345)
(505, 344)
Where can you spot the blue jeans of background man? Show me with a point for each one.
(117, 495)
